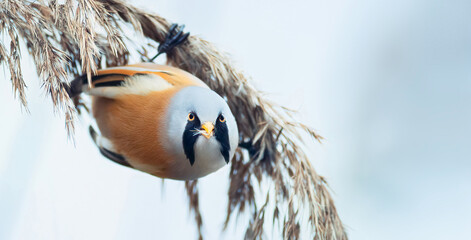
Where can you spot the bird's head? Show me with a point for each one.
(201, 129)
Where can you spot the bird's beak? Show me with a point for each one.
(208, 129)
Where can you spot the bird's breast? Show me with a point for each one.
(136, 125)
(208, 159)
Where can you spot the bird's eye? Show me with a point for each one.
(191, 116)
(221, 118)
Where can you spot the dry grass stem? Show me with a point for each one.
(74, 37)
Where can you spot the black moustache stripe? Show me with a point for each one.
(189, 138)
(222, 135)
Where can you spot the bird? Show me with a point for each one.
(160, 120)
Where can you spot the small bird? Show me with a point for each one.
(160, 120)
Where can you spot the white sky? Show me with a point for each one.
(388, 84)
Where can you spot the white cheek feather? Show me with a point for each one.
(207, 105)
(233, 135)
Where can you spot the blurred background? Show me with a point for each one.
(387, 83)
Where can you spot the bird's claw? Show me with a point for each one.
(175, 36)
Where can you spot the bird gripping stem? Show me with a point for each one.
(174, 37)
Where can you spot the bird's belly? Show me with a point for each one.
(182, 172)
(208, 159)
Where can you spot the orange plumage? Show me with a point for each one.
(133, 118)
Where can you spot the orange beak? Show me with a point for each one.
(208, 128)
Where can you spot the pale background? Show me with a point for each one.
(387, 83)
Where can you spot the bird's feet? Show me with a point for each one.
(175, 36)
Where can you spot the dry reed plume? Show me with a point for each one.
(73, 37)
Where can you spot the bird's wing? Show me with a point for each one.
(139, 79)
(114, 86)
(105, 150)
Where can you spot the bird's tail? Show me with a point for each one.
(75, 87)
